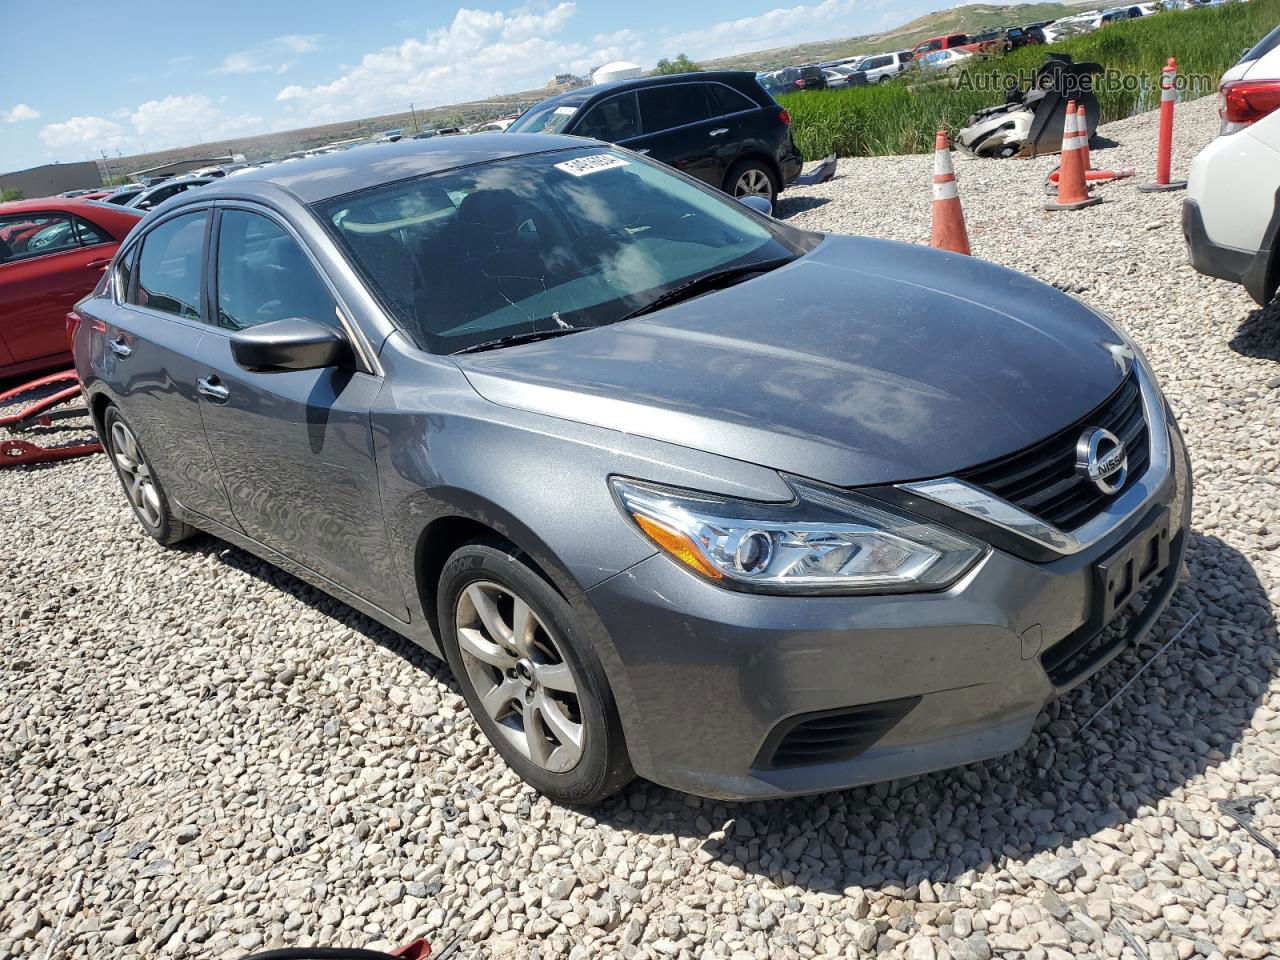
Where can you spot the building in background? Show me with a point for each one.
(52, 178)
(566, 81)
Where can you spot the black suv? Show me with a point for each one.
(720, 127)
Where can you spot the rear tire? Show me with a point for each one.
(142, 487)
(750, 177)
(531, 679)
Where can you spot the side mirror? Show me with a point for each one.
(294, 343)
(757, 203)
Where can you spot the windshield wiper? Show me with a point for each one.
(511, 339)
(716, 279)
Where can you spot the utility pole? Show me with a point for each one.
(414, 114)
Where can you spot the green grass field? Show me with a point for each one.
(892, 119)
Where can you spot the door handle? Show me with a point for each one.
(120, 348)
(98, 264)
(211, 387)
(719, 131)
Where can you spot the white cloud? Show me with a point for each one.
(19, 112)
(189, 119)
(154, 125)
(479, 52)
(96, 133)
(271, 56)
(774, 28)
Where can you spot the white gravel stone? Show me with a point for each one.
(213, 743)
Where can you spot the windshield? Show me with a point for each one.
(547, 118)
(552, 241)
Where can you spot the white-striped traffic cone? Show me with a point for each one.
(949, 232)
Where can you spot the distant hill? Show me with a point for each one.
(973, 18)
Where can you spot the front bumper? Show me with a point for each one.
(710, 679)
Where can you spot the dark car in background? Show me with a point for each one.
(157, 194)
(1016, 37)
(53, 251)
(675, 487)
(722, 127)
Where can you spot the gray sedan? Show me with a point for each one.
(677, 489)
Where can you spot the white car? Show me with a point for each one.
(944, 59)
(1231, 215)
(884, 66)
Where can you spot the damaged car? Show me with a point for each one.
(676, 489)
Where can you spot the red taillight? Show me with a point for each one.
(1247, 101)
(73, 324)
(784, 117)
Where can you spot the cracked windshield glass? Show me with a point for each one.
(544, 244)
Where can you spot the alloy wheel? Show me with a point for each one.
(139, 485)
(520, 674)
(753, 183)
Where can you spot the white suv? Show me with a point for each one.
(1231, 216)
(883, 66)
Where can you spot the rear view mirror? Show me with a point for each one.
(757, 203)
(294, 343)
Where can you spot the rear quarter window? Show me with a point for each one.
(725, 99)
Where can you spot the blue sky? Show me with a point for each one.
(159, 75)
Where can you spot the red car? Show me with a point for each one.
(52, 253)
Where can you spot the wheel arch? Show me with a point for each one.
(464, 518)
(755, 154)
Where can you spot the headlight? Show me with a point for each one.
(824, 541)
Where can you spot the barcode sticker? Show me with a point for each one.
(582, 166)
(565, 111)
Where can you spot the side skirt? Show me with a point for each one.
(418, 632)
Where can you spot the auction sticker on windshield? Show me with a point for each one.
(582, 166)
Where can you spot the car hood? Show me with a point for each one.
(863, 362)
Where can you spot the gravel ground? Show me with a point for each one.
(218, 759)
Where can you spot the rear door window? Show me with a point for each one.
(263, 275)
(673, 105)
(171, 266)
(725, 99)
(23, 236)
(612, 120)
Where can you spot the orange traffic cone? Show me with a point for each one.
(1091, 175)
(949, 231)
(1073, 190)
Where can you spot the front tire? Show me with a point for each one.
(532, 681)
(142, 487)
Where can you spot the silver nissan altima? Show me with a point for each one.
(678, 490)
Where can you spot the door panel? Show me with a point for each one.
(679, 130)
(295, 449)
(155, 386)
(36, 295)
(147, 356)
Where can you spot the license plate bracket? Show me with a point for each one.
(1127, 570)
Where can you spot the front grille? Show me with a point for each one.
(1042, 478)
(831, 735)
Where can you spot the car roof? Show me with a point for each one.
(321, 177)
(55, 204)
(582, 94)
